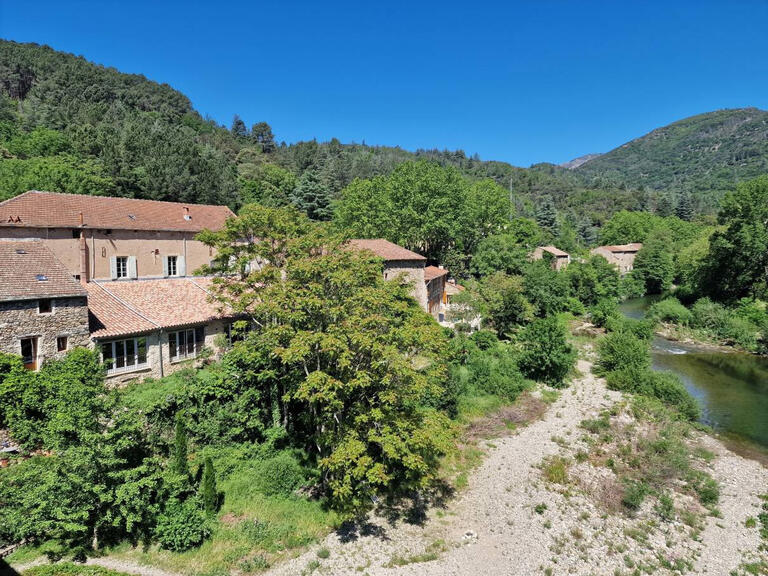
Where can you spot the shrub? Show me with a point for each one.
(603, 311)
(546, 353)
(641, 329)
(740, 331)
(709, 315)
(622, 351)
(664, 386)
(496, 373)
(670, 310)
(484, 339)
(665, 508)
(279, 475)
(182, 526)
(634, 495)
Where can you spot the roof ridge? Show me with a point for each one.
(124, 303)
(115, 198)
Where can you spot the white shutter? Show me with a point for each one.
(181, 267)
(165, 265)
(131, 266)
(113, 267)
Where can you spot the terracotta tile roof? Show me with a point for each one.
(385, 249)
(633, 247)
(432, 272)
(131, 307)
(451, 288)
(52, 210)
(554, 251)
(28, 270)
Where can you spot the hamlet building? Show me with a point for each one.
(145, 312)
(622, 256)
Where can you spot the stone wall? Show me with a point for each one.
(412, 271)
(21, 319)
(158, 352)
(435, 292)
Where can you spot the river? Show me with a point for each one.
(730, 387)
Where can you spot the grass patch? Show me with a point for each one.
(554, 469)
(69, 569)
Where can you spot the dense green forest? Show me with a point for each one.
(72, 126)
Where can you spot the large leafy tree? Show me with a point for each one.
(654, 265)
(353, 358)
(427, 208)
(737, 263)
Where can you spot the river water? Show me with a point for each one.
(730, 387)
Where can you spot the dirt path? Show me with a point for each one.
(492, 528)
(110, 563)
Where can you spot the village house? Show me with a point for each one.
(622, 255)
(399, 262)
(43, 309)
(558, 258)
(154, 327)
(103, 238)
(134, 260)
(435, 280)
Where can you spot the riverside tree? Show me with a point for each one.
(351, 360)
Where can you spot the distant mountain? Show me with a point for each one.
(576, 162)
(704, 154)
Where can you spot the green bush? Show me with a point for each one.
(641, 329)
(546, 354)
(634, 495)
(604, 310)
(709, 315)
(622, 351)
(664, 386)
(279, 475)
(182, 526)
(496, 372)
(484, 339)
(670, 310)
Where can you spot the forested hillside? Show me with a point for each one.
(704, 155)
(72, 126)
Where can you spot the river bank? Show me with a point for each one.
(522, 513)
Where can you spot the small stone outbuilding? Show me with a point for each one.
(559, 258)
(620, 255)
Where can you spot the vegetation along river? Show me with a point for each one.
(731, 387)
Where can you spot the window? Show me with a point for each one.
(121, 267)
(29, 352)
(186, 344)
(61, 343)
(125, 355)
(174, 266)
(75, 233)
(44, 306)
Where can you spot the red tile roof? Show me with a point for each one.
(432, 272)
(28, 270)
(52, 210)
(634, 247)
(121, 308)
(554, 251)
(385, 249)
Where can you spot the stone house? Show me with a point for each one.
(43, 309)
(154, 327)
(558, 258)
(398, 262)
(622, 255)
(134, 259)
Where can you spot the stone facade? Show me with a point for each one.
(412, 271)
(159, 362)
(436, 297)
(22, 319)
(623, 257)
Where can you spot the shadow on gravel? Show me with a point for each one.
(351, 530)
(6, 570)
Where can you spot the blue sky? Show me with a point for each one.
(522, 82)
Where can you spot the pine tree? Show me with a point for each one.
(238, 128)
(180, 464)
(546, 216)
(208, 485)
(312, 196)
(261, 133)
(664, 206)
(684, 209)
